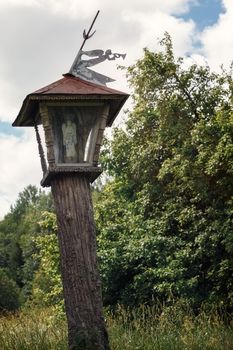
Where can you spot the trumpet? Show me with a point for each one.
(112, 56)
(118, 55)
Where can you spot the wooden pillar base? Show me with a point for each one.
(81, 281)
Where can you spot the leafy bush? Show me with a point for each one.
(9, 292)
(165, 218)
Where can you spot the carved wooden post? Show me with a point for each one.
(81, 280)
(87, 108)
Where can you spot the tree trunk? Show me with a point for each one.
(81, 281)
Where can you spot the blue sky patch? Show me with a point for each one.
(204, 13)
(7, 128)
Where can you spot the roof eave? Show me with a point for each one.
(32, 100)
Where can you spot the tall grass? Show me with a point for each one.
(34, 330)
(175, 328)
(145, 328)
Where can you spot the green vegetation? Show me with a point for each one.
(164, 222)
(145, 328)
(9, 292)
(37, 329)
(175, 328)
(20, 232)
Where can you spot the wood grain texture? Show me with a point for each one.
(49, 139)
(102, 125)
(81, 280)
(41, 151)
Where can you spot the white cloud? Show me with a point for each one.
(19, 167)
(154, 25)
(217, 40)
(8, 109)
(73, 8)
(9, 3)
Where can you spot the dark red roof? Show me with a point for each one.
(66, 89)
(73, 85)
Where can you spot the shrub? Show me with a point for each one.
(9, 292)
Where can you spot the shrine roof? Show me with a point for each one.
(69, 88)
(73, 85)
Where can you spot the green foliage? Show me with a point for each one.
(33, 329)
(145, 328)
(9, 292)
(167, 328)
(18, 230)
(165, 218)
(47, 286)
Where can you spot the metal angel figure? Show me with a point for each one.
(80, 66)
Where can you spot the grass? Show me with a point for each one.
(33, 330)
(146, 328)
(176, 328)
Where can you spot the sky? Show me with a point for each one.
(39, 40)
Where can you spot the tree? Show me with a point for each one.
(47, 286)
(9, 293)
(165, 220)
(80, 275)
(18, 230)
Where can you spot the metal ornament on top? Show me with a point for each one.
(74, 112)
(80, 66)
